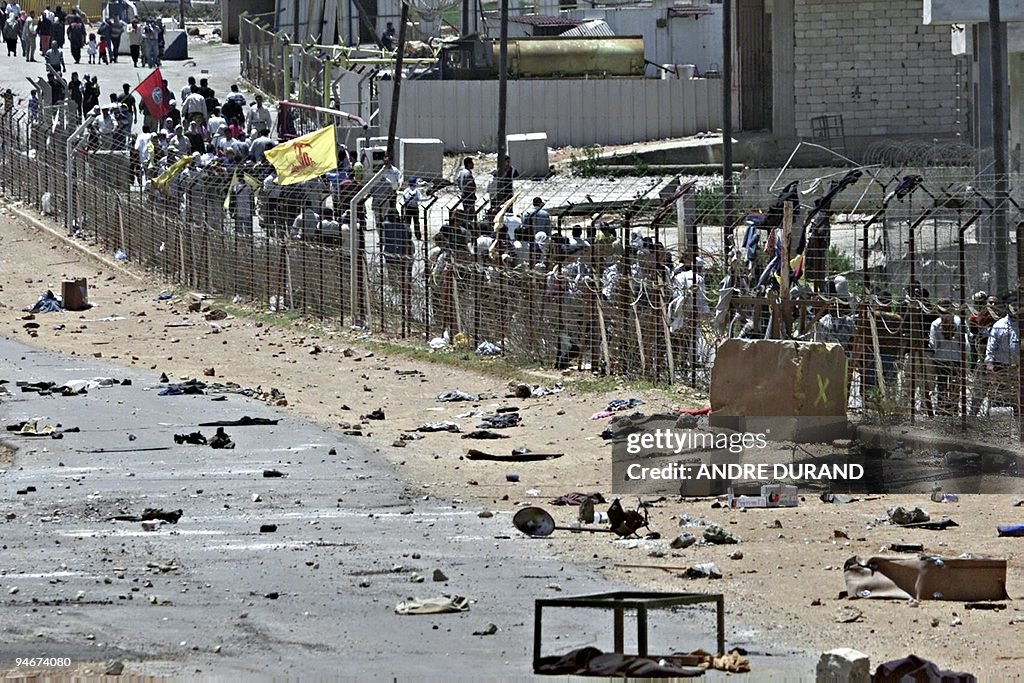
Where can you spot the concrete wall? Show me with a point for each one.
(572, 112)
(876, 64)
(683, 40)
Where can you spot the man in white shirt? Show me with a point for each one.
(194, 106)
(1001, 359)
(946, 339)
(258, 118)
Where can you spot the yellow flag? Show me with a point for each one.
(231, 187)
(161, 181)
(304, 158)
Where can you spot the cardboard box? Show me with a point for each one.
(75, 294)
(772, 496)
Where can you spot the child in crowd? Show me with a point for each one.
(91, 48)
(103, 51)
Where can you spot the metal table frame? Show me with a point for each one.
(619, 602)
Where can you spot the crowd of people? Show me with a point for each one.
(102, 45)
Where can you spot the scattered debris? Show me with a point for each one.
(221, 439)
(150, 514)
(455, 396)
(439, 575)
(682, 541)
(848, 615)
(47, 303)
(439, 427)
(442, 605)
(487, 349)
(269, 474)
(837, 498)
(500, 421)
(268, 528)
(245, 421)
(843, 664)
(484, 434)
(903, 516)
(474, 454)
(707, 570)
(914, 668)
(906, 547)
(958, 579)
(619, 404)
(575, 498)
(489, 630)
(195, 438)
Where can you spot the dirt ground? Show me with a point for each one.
(332, 377)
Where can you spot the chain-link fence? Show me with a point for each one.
(631, 276)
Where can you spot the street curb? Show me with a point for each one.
(70, 242)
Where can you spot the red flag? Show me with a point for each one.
(153, 95)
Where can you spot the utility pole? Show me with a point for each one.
(465, 16)
(181, 14)
(1001, 234)
(502, 82)
(727, 128)
(393, 123)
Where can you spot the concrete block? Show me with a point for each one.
(422, 157)
(529, 153)
(795, 390)
(843, 665)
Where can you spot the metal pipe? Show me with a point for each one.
(999, 227)
(396, 90)
(727, 188)
(503, 84)
(353, 232)
(69, 192)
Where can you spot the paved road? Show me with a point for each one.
(84, 590)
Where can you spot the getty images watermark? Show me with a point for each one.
(663, 441)
(669, 455)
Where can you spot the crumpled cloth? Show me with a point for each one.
(47, 303)
(456, 395)
(442, 605)
(619, 404)
(575, 498)
(914, 668)
(500, 421)
(589, 661)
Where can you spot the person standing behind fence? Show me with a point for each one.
(10, 34)
(945, 336)
(1002, 355)
(258, 118)
(536, 218)
(28, 38)
(411, 198)
(54, 59)
(150, 45)
(45, 29)
(916, 328)
(58, 33)
(76, 37)
(134, 32)
(75, 92)
(466, 185)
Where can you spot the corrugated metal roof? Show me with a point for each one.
(543, 20)
(594, 28)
